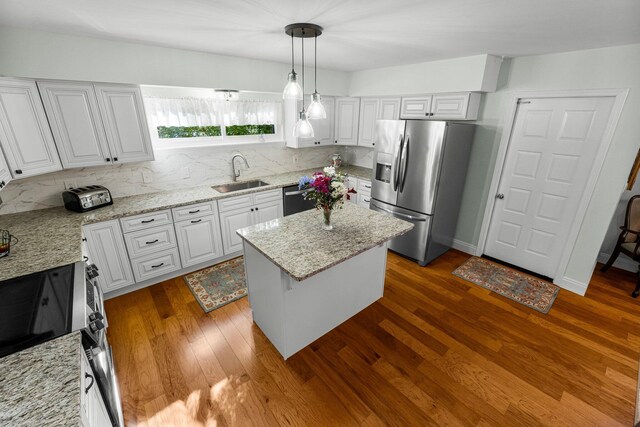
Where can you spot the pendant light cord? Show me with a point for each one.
(303, 69)
(315, 62)
(292, 52)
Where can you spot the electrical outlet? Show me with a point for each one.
(147, 177)
(68, 185)
(186, 173)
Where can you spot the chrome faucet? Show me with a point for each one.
(236, 174)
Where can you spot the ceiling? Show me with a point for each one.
(359, 34)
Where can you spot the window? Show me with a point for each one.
(182, 122)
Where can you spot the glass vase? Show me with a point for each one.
(327, 219)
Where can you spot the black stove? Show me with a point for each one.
(39, 307)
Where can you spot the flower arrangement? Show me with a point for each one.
(328, 190)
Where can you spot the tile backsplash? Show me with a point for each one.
(172, 169)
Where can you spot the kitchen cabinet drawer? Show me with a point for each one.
(194, 211)
(148, 220)
(157, 264)
(152, 240)
(267, 196)
(364, 187)
(232, 203)
(363, 200)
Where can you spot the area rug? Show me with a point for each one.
(523, 288)
(218, 285)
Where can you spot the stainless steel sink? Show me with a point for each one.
(237, 186)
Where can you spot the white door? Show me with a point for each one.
(367, 123)
(108, 252)
(346, 128)
(125, 123)
(229, 223)
(389, 109)
(268, 211)
(72, 109)
(5, 174)
(199, 240)
(25, 135)
(415, 107)
(550, 155)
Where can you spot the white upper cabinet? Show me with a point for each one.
(389, 109)
(346, 126)
(369, 108)
(461, 106)
(322, 128)
(73, 113)
(25, 135)
(446, 106)
(5, 174)
(416, 107)
(122, 112)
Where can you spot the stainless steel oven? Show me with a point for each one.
(294, 200)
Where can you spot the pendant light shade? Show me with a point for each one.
(292, 90)
(303, 128)
(316, 109)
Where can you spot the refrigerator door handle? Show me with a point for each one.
(396, 165)
(404, 159)
(401, 215)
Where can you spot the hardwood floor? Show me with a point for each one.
(436, 350)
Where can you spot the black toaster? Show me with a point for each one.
(86, 198)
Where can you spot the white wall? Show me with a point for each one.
(27, 53)
(469, 74)
(616, 67)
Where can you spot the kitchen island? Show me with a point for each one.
(303, 281)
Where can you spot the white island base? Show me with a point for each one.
(293, 314)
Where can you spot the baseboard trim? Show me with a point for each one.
(622, 262)
(464, 247)
(168, 276)
(571, 285)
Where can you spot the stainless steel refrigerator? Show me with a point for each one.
(419, 170)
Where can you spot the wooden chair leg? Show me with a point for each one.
(612, 258)
(636, 291)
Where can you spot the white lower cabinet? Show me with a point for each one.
(93, 412)
(199, 240)
(364, 193)
(108, 252)
(5, 175)
(243, 211)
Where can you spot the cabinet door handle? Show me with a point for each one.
(87, 388)
(148, 221)
(115, 159)
(159, 265)
(256, 208)
(367, 186)
(19, 171)
(151, 242)
(251, 209)
(107, 159)
(196, 211)
(196, 221)
(86, 258)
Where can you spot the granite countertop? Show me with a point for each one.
(41, 386)
(51, 238)
(302, 248)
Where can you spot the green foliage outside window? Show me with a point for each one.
(250, 130)
(188, 132)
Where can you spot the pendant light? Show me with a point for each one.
(292, 90)
(303, 128)
(316, 109)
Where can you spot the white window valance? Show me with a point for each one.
(211, 112)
